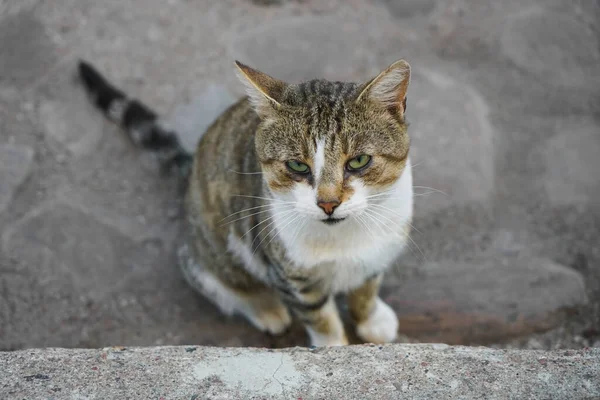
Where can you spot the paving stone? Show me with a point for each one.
(191, 120)
(34, 312)
(68, 121)
(505, 49)
(17, 118)
(447, 118)
(567, 56)
(303, 48)
(409, 8)
(64, 245)
(572, 163)
(485, 301)
(27, 52)
(269, 2)
(77, 283)
(15, 166)
(465, 29)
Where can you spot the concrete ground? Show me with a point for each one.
(504, 110)
(398, 371)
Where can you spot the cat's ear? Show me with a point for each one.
(264, 91)
(389, 87)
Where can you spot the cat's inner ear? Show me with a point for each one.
(264, 91)
(389, 88)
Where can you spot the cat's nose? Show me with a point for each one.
(328, 206)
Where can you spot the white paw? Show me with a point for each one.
(321, 340)
(381, 326)
(274, 321)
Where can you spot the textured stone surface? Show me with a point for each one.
(409, 8)
(307, 47)
(30, 60)
(555, 47)
(71, 249)
(572, 161)
(504, 120)
(358, 372)
(485, 300)
(68, 124)
(192, 119)
(450, 118)
(15, 166)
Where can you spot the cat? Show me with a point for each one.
(296, 193)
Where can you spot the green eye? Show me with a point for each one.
(298, 167)
(358, 163)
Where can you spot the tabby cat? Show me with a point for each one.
(296, 193)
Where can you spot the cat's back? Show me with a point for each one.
(229, 142)
(225, 163)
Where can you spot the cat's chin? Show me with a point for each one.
(332, 221)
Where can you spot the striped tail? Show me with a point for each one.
(141, 124)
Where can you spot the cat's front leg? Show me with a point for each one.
(376, 322)
(322, 322)
(316, 308)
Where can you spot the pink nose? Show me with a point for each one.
(328, 206)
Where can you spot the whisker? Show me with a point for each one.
(380, 223)
(287, 218)
(404, 218)
(285, 213)
(390, 210)
(298, 217)
(375, 220)
(380, 194)
(265, 220)
(407, 235)
(247, 216)
(414, 165)
(245, 173)
(247, 209)
(430, 188)
(262, 198)
(298, 229)
(403, 197)
(417, 246)
(423, 194)
(387, 218)
(368, 218)
(362, 221)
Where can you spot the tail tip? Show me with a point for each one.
(85, 68)
(88, 74)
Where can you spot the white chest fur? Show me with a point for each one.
(351, 251)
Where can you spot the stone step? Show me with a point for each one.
(350, 372)
(485, 301)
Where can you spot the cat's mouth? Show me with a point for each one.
(332, 221)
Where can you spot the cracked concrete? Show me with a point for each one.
(356, 372)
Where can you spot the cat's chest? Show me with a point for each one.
(350, 272)
(346, 261)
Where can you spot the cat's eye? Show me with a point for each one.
(298, 167)
(358, 163)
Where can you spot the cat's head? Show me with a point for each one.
(328, 147)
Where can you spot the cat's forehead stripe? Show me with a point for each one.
(319, 160)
